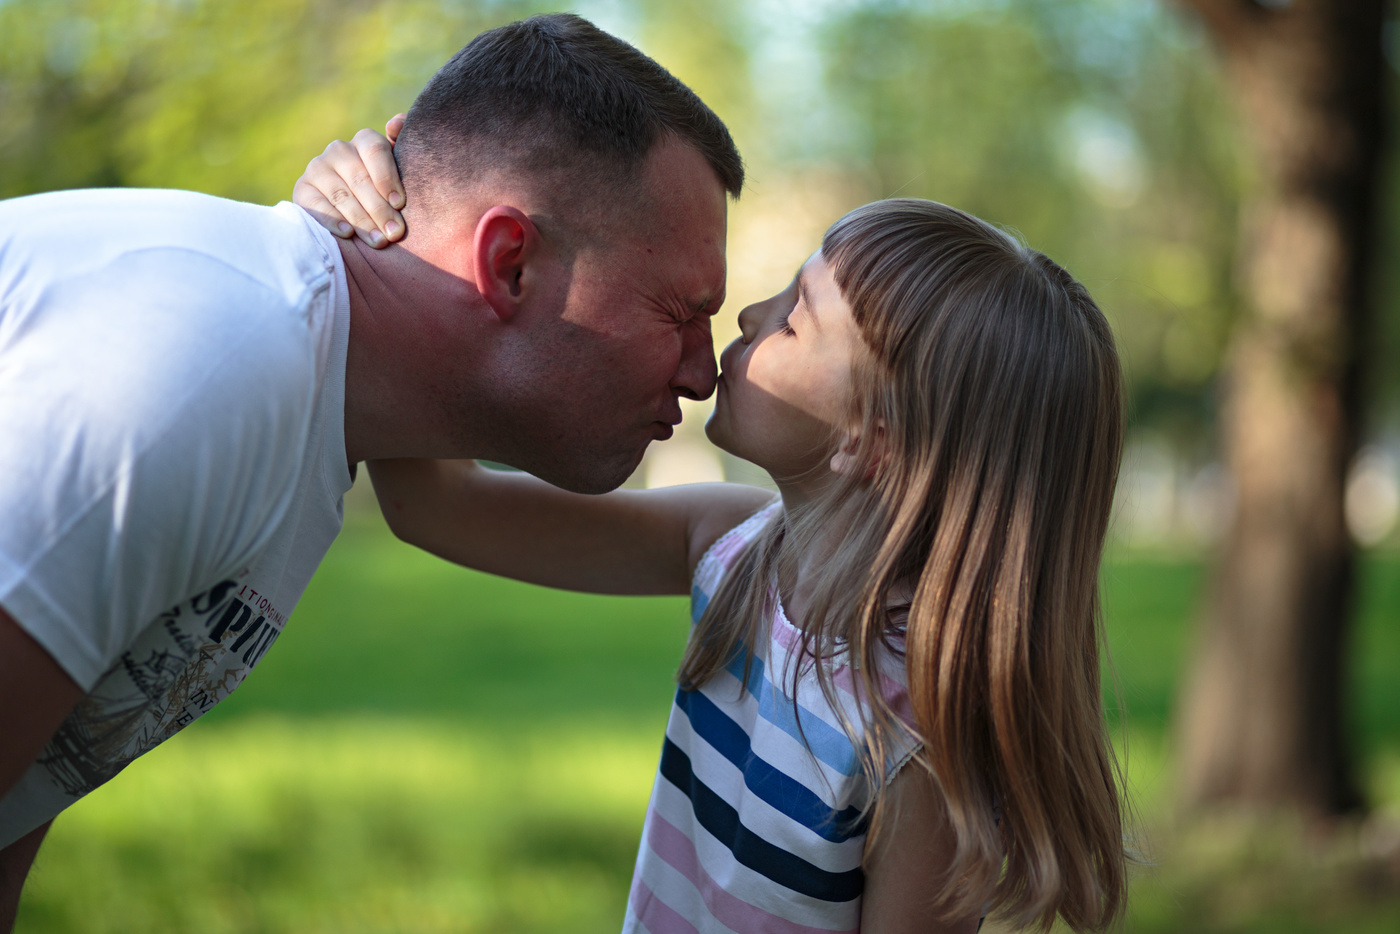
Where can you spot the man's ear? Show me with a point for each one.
(846, 461)
(504, 243)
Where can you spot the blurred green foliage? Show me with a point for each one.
(1097, 128)
(231, 98)
(1119, 164)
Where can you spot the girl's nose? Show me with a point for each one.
(750, 320)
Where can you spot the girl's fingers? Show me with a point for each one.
(374, 218)
(306, 195)
(394, 127)
(376, 155)
(327, 176)
(340, 175)
(354, 188)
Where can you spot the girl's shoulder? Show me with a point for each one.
(720, 556)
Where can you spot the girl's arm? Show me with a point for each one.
(354, 188)
(515, 525)
(906, 864)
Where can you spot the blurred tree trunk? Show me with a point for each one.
(1261, 719)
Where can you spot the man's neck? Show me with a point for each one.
(411, 331)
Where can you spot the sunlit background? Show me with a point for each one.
(430, 750)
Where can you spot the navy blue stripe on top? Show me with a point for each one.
(772, 786)
(721, 820)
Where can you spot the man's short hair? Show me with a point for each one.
(555, 95)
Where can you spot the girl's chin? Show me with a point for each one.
(714, 430)
(731, 446)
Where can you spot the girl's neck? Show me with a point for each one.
(812, 554)
(798, 579)
(796, 594)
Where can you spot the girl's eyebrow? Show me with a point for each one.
(802, 297)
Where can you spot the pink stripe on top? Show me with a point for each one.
(656, 915)
(672, 845)
(727, 549)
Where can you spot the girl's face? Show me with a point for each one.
(784, 395)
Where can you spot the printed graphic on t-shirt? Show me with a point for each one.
(190, 659)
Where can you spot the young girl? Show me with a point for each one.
(889, 713)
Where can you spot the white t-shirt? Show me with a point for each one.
(172, 455)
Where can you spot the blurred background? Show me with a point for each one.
(432, 750)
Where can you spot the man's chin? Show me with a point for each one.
(603, 475)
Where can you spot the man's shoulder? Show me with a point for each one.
(137, 214)
(133, 215)
(134, 310)
(71, 234)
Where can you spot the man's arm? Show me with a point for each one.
(515, 525)
(15, 861)
(35, 696)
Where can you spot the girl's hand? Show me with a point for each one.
(354, 188)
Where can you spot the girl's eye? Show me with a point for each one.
(783, 325)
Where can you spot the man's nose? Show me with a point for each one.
(695, 376)
(726, 357)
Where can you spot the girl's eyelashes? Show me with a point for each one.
(783, 326)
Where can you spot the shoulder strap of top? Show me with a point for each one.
(722, 554)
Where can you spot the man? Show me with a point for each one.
(186, 383)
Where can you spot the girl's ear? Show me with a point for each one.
(846, 460)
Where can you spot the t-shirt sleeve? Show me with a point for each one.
(153, 419)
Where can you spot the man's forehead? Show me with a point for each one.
(671, 243)
(689, 256)
(680, 187)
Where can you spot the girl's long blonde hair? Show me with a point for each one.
(991, 409)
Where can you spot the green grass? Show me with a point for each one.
(429, 749)
(353, 824)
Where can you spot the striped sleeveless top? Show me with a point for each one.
(752, 825)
